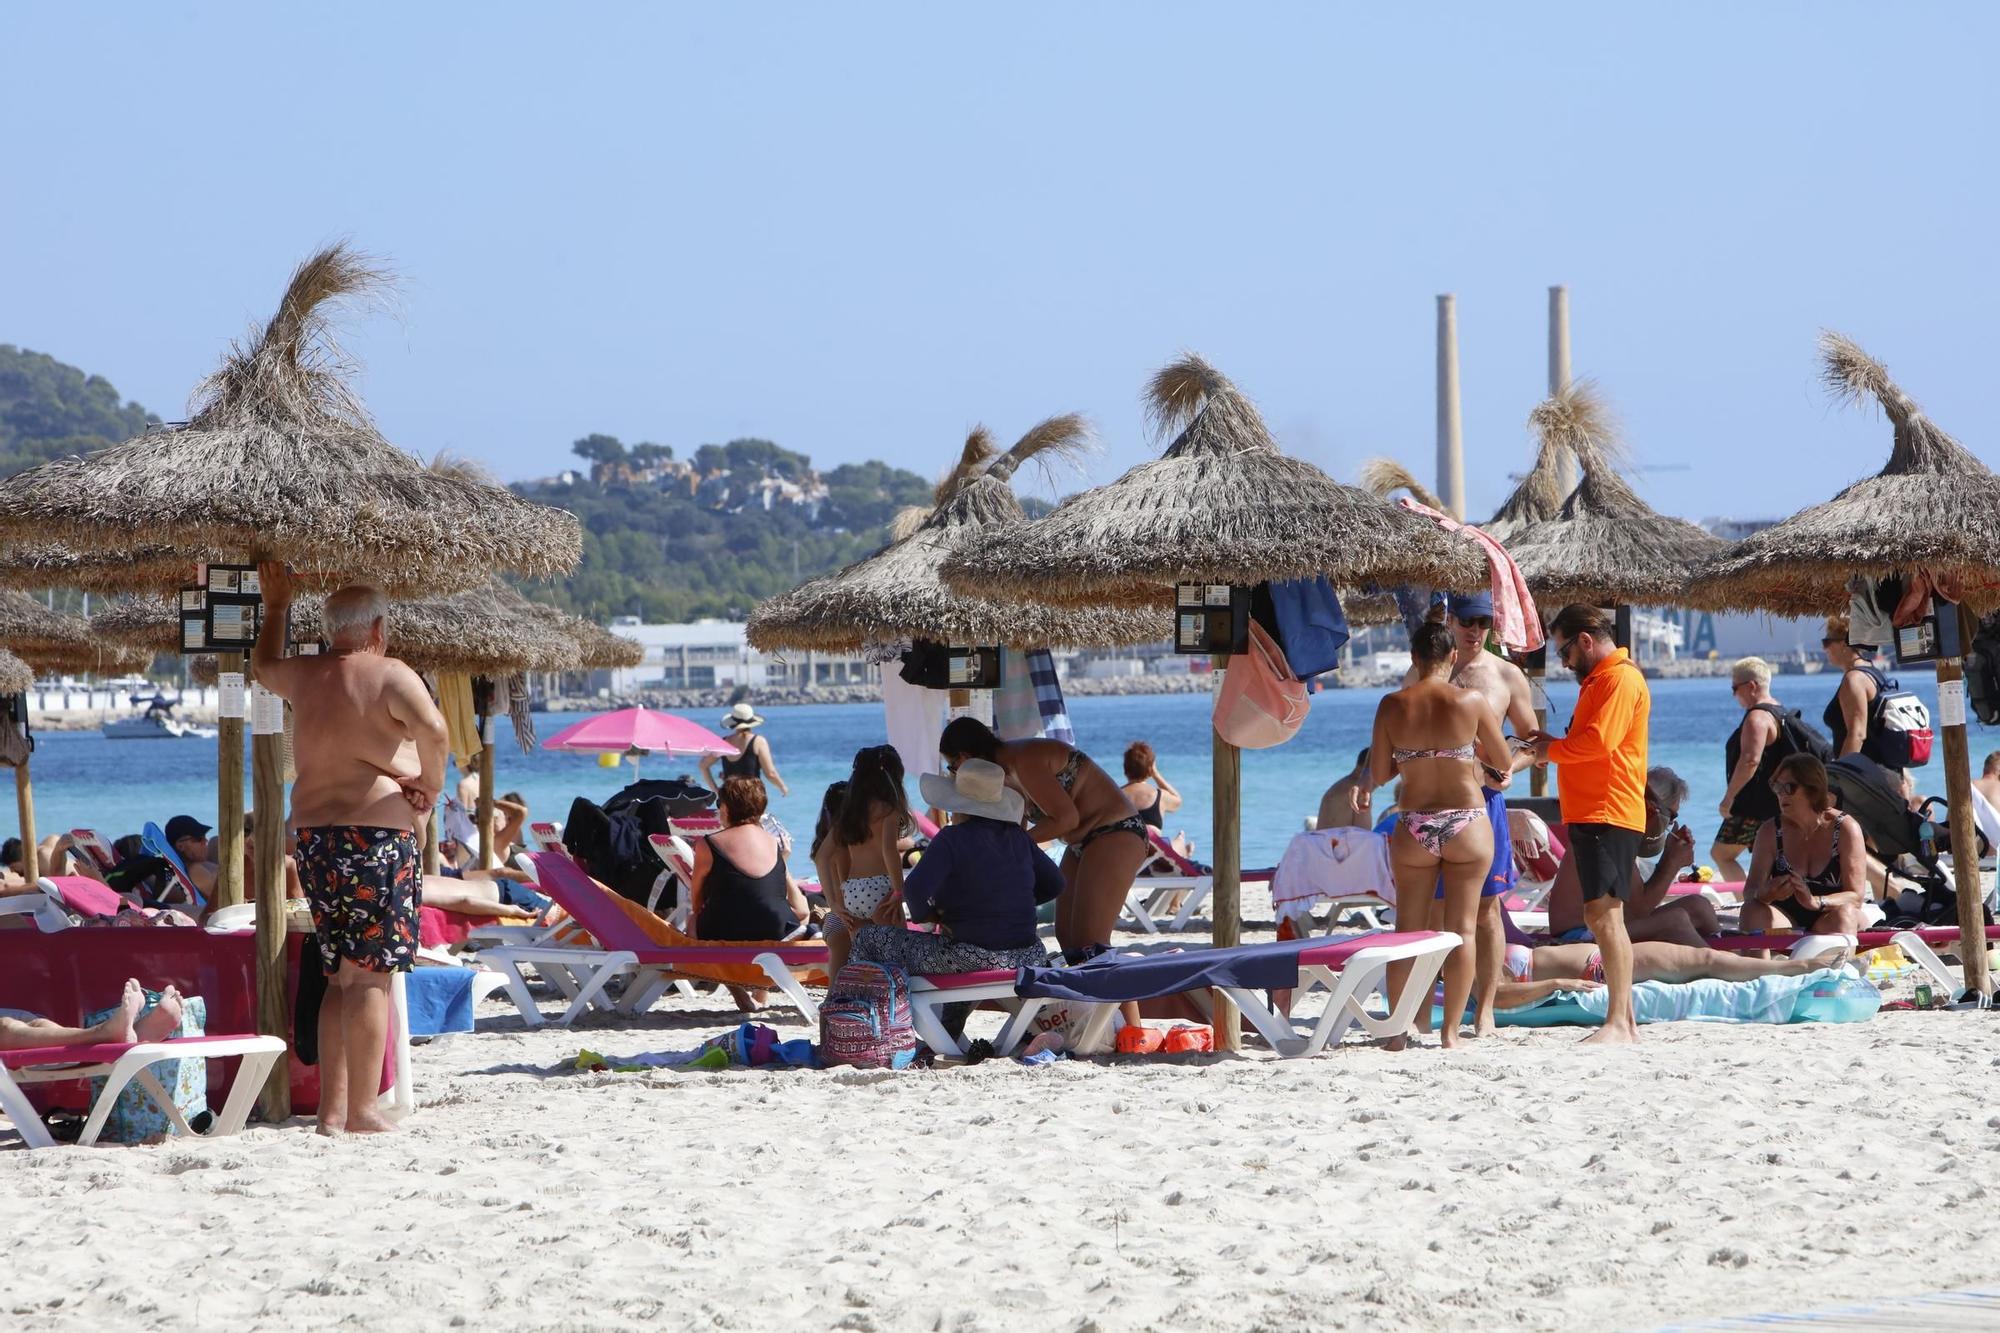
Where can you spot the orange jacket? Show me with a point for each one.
(1601, 763)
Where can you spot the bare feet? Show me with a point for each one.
(117, 1029)
(1485, 1026)
(370, 1121)
(330, 1126)
(165, 1016)
(1819, 962)
(1622, 1035)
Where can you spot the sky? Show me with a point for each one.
(860, 230)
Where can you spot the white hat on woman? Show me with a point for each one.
(978, 788)
(741, 718)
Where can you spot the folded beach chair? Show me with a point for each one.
(626, 949)
(677, 854)
(47, 914)
(123, 1064)
(547, 837)
(1350, 968)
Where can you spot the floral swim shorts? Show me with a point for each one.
(364, 886)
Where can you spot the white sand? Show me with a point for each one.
(1526, 1182)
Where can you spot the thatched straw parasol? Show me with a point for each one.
(597, 648)
(897, 592)
(1222, 505)
(281, 459)
(45, 640)
(15, 677)
(44, 565)
(1605, 545)
(1933, 509)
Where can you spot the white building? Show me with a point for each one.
(714, 654)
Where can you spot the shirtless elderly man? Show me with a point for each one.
(369, 746)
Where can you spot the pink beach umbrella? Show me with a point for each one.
(639, 731)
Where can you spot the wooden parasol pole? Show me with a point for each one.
(229, 793)
(1958, 795)
(1225, 895)
(24, 805)
(432, 860)
(486, 858)
(267, 790)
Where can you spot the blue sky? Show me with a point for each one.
(857, 230)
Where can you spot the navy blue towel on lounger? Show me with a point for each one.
(1113, 978)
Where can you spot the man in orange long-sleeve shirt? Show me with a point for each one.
(1601, 765)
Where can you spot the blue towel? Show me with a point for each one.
(440, 1000)
(1114, 978)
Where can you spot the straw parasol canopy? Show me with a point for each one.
(140, 622)
(1222, 505)
(1605, 545)
(597, 648)
(1933, 507)
(14, 674)
(897, 592)
(48, 565)
(281, 459)
(58, 641)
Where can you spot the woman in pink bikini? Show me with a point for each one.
(1437, 737)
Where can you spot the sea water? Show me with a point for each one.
(83, 780)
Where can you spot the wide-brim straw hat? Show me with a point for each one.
(898, 592)
(1934, 507)
(978, 788)
(742, 717)
(281, 460)
(1222, 505)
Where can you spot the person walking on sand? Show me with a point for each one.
(1601, 767)
(370, 750)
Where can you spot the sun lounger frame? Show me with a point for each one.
(120, 1065)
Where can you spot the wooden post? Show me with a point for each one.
(487, 860)
(1225, 896)
(1450, 436)
(1559, 372)
(1958, 794)
(229, 795)
(267, 791)
(24, 805)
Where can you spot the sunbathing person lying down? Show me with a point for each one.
(1532, 975)
(121, 1029)
(455, 895)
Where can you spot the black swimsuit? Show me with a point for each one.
(1066, 779)
(744, 765)
(1823, 883)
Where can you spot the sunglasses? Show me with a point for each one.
(1828, 643)
(1739, 685)
(1784, 788)
(1673, 813)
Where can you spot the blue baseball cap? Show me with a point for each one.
(1471, 605)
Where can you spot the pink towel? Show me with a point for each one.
(1515, 618)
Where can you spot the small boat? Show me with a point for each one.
(157, 723)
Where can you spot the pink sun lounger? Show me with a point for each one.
(120, 1064)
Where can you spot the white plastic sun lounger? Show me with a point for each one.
(123, 1064)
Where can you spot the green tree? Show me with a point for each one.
(599, 449)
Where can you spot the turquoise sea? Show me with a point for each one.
(82, 779)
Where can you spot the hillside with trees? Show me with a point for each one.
(665, 538)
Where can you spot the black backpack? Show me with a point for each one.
(1796, 736)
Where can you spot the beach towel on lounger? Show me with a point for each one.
(1114, 978)
(1833, 995)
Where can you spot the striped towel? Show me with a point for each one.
(1017, 713)
(1049, 698)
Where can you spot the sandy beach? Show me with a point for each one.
(1522, 1183)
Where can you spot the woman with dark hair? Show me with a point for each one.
(1436, 737)
(1809, 865)
(1150, 794)
(861, 866)
(1068, 798)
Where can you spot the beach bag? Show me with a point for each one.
(1899, 725)
(865, 1020)
(1261, 703)
(1312, 629)
(135, 1117)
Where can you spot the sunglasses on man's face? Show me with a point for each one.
(1784, 788)
(1673, 813)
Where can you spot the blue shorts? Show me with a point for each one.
(1501, 877)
